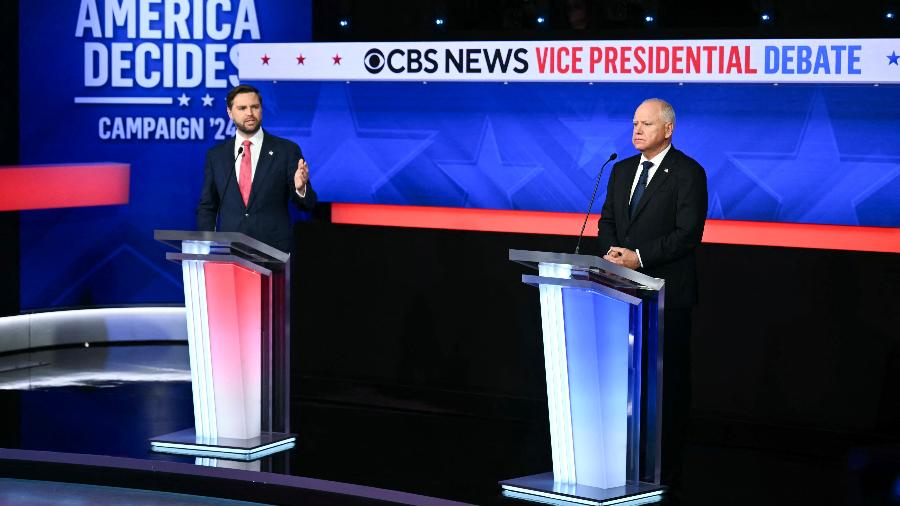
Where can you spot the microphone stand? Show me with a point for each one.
(591, 204)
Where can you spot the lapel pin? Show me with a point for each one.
(271, 153)
(664, 170)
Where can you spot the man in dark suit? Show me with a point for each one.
(652, 221)
(249, 179)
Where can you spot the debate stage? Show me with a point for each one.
(79, 418)
(81, 433)
(398, 399)
(440, 135)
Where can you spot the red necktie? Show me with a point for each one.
(245, 179)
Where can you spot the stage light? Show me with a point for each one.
(541, 20)
(439, 21)
(344, 23)
(765, 17)
(889, 15)
(649, 19)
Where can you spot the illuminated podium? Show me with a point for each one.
(236, 294)
(602, 332)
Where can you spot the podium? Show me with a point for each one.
(602, 333)
(236, 293)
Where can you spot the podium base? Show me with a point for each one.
(186, 442)
(541, 488)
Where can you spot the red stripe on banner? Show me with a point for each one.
(54, 186)
(455, 218)
(800, 235)
(793, 235)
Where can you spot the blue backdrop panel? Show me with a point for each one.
(800, 153)
(106, 255)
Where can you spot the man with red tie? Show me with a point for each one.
(248, 180)
(652, 221)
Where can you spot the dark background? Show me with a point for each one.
(9, 155)
(390, 20)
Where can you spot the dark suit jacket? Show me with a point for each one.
(667, 225)
(266, 215)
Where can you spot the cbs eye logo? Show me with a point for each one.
(374, 61)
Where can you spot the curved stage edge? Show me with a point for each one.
(235, 484)
(81, 380)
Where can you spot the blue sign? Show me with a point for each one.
(135, 81)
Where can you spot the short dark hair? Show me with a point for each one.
(237, 90)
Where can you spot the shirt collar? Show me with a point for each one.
(256, 139)
(656, 159)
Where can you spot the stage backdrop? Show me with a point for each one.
(135, 81)
(143, 82)
(793, 131)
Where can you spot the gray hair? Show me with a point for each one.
(666, 112)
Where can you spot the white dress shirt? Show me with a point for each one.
(255, 147)
(657, 160)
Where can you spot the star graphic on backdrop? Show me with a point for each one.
(488, 180)
(183, 100)
(336, 145)
(207, 100)
(715, 207)
(337, 59)
(265, 59)
(301, 59)
(598, 135)
(815, 184)
(101, 271)
(893, 58)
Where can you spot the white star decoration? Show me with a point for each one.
(183, 100)
(207, 100)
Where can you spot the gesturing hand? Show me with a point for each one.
(301, 176)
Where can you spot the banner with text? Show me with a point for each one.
(755, 61)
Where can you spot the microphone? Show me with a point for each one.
(228, 181)
(591, 204)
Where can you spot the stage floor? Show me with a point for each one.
(109, 400)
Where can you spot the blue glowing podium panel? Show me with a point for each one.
(602, 334)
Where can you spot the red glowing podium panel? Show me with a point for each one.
(237, 307)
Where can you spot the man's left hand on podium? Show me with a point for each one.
(623, 256)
